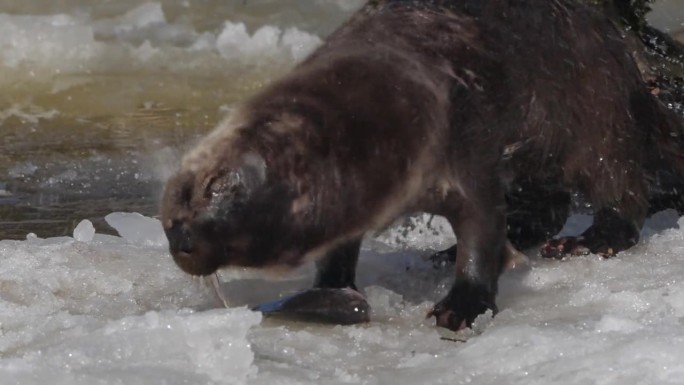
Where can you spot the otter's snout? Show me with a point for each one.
(189, 252)
(180, 239)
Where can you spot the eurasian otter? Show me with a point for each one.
(429, 106)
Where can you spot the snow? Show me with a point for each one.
(116, 310)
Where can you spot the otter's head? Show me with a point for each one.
(226, 210)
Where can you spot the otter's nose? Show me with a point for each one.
(180, 238)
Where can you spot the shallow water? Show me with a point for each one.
(99, 98)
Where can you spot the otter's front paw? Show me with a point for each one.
(462, 305)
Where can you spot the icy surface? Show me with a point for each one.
(118, 311)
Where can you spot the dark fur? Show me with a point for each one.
(432, 106)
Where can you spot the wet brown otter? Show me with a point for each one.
(429, 106)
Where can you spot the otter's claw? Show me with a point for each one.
(462, 305)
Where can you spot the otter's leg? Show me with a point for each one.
(622, 206)
(479, 225)
(534, 214)
(609, 234)
(337, 269)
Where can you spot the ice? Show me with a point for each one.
(55, 53)
(22, 170)
(136, 228)
(29, 113)
(84, 231)
(235, 43)
(140, 17)
(156, 347)
(117, 310)
(145, 23)
(34, 40)
(347, 5)
(299, 43)
(110, 311)
(422, 231)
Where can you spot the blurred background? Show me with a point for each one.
(98, 98)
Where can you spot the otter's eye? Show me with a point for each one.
(223, 184)
(214, 187)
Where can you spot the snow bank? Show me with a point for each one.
(112, 310)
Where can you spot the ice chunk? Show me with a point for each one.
(385, 303)
(136, 228)
(234, 42)
(299, 43)
(84, 231)
(142, 16)
(422, 231)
